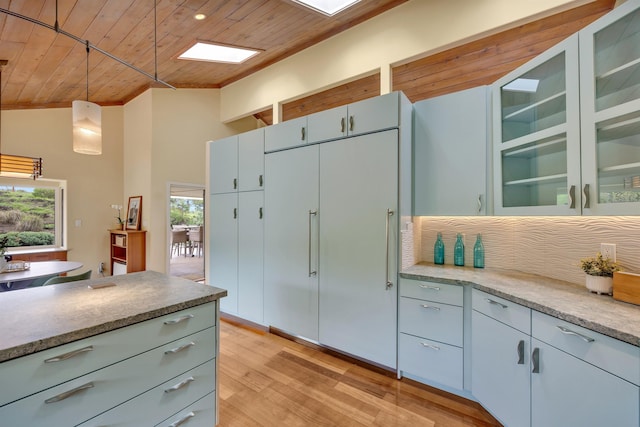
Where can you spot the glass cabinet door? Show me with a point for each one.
(536, 135)
(610, 93)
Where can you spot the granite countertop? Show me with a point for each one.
(36, 319)
(564, 300)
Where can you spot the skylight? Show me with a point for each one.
(522, 85)
(327, 7)
(217, 53)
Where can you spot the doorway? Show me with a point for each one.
(186, 231)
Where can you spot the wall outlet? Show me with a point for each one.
(608, 250)
(101, 267)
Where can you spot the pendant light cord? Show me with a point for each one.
(155, 37)
(87, 70)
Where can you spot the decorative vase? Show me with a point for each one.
(601, 285)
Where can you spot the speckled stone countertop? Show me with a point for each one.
(36, 319)
(564, 300)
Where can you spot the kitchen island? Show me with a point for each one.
(136, 349)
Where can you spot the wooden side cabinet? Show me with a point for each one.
(128, 251)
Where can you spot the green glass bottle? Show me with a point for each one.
(458, 251)
(478, 253)
(438, 250)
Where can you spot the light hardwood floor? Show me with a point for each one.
(267, 380)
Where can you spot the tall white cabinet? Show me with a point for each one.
(331, 228)
(236, 210)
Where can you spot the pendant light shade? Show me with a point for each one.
(87, 128)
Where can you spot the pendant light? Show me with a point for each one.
(87, 123)
(16, 166)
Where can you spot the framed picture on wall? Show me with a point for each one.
(134, 211)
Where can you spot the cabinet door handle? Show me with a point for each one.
(178, 386)
(479, 203)
(587, 198)
(67, 394)
(572, 197)
(535, 359)
(261, 180)
(69, 355)
(431, 346)
(342, 123)
(389, 283)
(490, 301)
(568, 331)
(351, 123)
(235, 183)
(303, 133)
(178, 319)
(260, 213)
(311, 214)
(180, 348)
(235, 213)
(433, 288)
(521, 352)
(430, 307)
(182, 420)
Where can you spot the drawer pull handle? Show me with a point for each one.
(431, 346)
(494, 302)
(521, 352)
(567, 331)
(178, 319)
(535, 359)
(69, 355)
(67, 394)
(432, 288)
(180, 348)
(342, 123)
(431, 307)
(180, 385)
(182, 420)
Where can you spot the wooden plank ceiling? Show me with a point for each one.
(47, 69)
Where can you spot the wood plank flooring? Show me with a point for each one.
(267, 380)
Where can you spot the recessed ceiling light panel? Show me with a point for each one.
(217, 53)
(327, 7)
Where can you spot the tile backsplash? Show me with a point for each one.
(548, 246)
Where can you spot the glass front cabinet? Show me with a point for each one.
(566, 125)
(610, 112)
(537, 135)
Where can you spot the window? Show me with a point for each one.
(31, 213)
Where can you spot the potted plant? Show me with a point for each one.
(599, 273)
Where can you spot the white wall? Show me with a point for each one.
(94, 183)
(408, 31)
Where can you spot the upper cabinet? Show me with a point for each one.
(237, 163)
(610, 110)
(567, 125)
(450, 153)
(355, 119)
(289, 134)
(536, 135)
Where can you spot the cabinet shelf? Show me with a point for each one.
(547, 147)
(620, 168)
(548, 179)
(619, 69)
(530, 107)
(618, 130)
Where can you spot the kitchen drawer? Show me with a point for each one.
(614, 356)
(30, 374)
(157, 404)
(110, 386)
(201, 414)
(288, 134)
(505, 311)
(431, 320)
(430, 360)
(432, 291)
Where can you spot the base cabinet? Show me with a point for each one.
(137, 375)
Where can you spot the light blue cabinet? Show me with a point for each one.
(450, 160)
(369, 115)
(251, 160)
(358, 245)
(223, 165)
(223, 248)
(291, 241)
(250, 255)
(289, 134)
